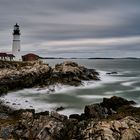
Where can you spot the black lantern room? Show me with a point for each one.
(16, 30)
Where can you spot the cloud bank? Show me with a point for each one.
(87, 28)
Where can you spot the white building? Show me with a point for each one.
(16, 42)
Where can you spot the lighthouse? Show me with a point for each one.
(16, 42)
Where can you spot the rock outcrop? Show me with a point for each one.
(26, 124)
(124, 129)
(71, 73)
(113, 119)
(18, 75)
(27, 75)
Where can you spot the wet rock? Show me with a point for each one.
(95, 111)
(116, 102)
(110, 73)
(75, 116)
(3, 116)
(7, 102)
(60, 108)
(72, 74)
(30, 74)
(23, 113)
(46, 113)
(58, 116)
(4, 108)
(92, 124)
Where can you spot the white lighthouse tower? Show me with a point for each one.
(16, 42)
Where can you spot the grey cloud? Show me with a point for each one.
(48, 20)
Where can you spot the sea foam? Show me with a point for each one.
(32, 98)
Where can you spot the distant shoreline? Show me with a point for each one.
(88, 58)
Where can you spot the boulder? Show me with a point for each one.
(124, 129)
(71, 73)
(42, 113)
(75, 116)
(58, 116)
(130, 134)
(115, 102)
(60, 108)
(95, 111)
(110, 73)
(25, 75)
(18, 75)
(93, 124)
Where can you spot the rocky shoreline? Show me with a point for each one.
(19, 75)
(112, 119)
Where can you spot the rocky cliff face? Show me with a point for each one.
(90, 125)
(17, 75)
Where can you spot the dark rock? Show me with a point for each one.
(93, 124)
(115, 102)
(3, 116)
(72, 74)
(5, 109)
(42, 113)
(83, 116)
(7, 102)
(3, 88)
(75, 116)
(60, 108)
(58, 116)
(24, 113)
(25, 75)
(112, 73)
(95, 111)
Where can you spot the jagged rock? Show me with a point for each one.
(26, 124)
(113, 130)
(95, 111)
(115, 102)
(28, 75)
(25, 75)
(46, 113)
(130, 134)
(58, 116)
(75, 116)
(60, 108)
(3, 116)
(71, 73)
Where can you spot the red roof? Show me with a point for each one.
(6, 55)
(30, 54)
(3, 54)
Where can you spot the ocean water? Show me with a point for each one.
(124, 84)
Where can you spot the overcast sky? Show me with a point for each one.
(73, 28)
